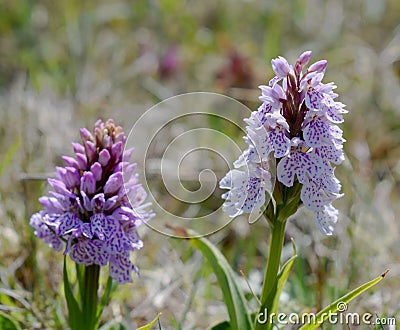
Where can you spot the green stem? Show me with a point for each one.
(89, 295)
(271, 273)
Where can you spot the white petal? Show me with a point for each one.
(326, 219)
(285, 171)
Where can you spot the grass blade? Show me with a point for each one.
(152, 323)
(343, 301)
(74, 312)
(235, 302)
(6, 323)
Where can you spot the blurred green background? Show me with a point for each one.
(64, 64)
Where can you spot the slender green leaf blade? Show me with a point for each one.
(342, 301)
(234, 299)
(148, 326)
(6, 323)
(282, 278)
(74, 312)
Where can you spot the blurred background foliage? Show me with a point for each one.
(63, 64)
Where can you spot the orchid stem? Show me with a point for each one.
(89, 295)
(271, 272)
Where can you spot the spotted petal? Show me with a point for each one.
(315, 198)
(332, 153)
(80, 255)
(43, 231)
(97, 222)
(304, 164)
(318, 131)
(116, 236)
(121, 268)
(96, 249)
(247, 192)
(313, 99)
(280, 141)
(67, 222)
(333, 110)
(326, 218)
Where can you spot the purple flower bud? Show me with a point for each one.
(71, 162)
(113, 184)
(72, 177)
(82, 161)
(117, 168)
(107, 141)
(96, 170)
(319, 66)
(98, 202)
(80, 205)
(91, 151)
(137, 195)
(88, 183)
(120, 137)
(78, 148)
(51, 204)
(111, 203)
(128, 171)
(304, 58)
(86, 135)
(125, 213)
(60, 188)
(86, 201)
(116, 150)
(61, 172)
(280, 66)
(98, 123)
(127, 154)
(104, 157)
(98, 135)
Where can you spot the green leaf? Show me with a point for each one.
(342, 302)
(148, 326)
(74, 312)
(6, 323)
(235, 302)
